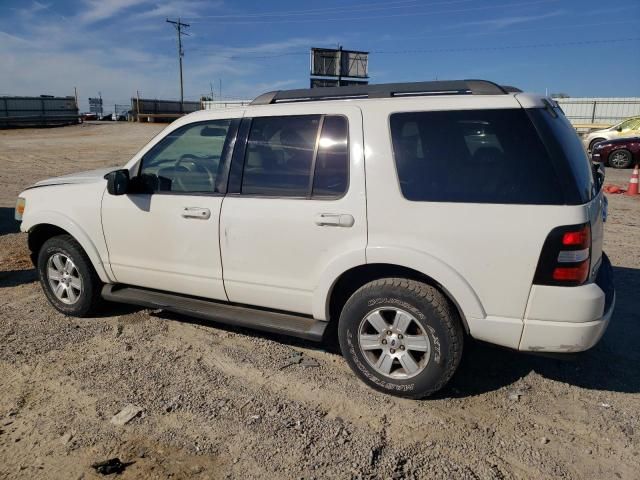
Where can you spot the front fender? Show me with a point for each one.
(60, 220)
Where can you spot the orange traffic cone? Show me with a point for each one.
(633, 182)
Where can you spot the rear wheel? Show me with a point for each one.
(68, 279)
(401, 337)
(620, 159)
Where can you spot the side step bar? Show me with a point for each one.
(242, 316)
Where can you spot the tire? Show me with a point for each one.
(432, 338)
(77, 283)
(594, 141)
(620, 159)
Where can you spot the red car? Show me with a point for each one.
(618, 153)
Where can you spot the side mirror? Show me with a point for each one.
(618, 129)
(117, 182)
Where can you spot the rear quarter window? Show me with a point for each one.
(569, 157)
(473, 156)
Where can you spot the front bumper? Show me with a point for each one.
(569, 319)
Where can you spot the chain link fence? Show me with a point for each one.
(599, 112)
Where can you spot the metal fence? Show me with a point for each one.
(603, 111)
(216, 104)
(37, 111)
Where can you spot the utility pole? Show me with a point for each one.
(339, 65)
(179, 26)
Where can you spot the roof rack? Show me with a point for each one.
(385, 90)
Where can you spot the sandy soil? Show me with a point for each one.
(220, 402)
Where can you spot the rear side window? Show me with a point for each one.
(332, 162)
(279, 155)
(473, 156)
(296, 156)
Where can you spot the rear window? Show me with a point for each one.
(474, 156)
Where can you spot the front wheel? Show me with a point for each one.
(593, 142)
(67, 276)
(401, 336)
(620, 159)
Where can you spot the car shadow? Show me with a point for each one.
(612, 365)
(609, 366)
(14, 278)
(8, 223)
(276, 337)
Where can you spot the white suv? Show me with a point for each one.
(400, 217)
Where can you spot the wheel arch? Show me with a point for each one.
(595, 140)
(53, 224)
(354, 278)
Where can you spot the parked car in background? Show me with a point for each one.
(625, 129)
(619, 153)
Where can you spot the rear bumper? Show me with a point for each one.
(569, 319)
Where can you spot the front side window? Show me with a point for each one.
(285, 156)
(475, 156)
(187, 160)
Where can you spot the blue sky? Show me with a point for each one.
(581, 47)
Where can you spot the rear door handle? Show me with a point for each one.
(196, 212)
(335, 220)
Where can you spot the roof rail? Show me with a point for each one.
(385, 90)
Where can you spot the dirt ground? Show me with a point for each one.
(220, 402)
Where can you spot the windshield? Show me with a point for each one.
(629, 124)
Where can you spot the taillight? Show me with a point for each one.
(565, 257)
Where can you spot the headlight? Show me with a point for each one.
(20, 206)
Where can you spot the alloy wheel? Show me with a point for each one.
(64, 278)
(394, 343)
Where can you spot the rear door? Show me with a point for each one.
(296, 203)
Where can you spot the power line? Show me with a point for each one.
(321, 11)
(386, 16)
(178, 26)
(454, 49)
(507, 32)
(507, 47)
(272, 54)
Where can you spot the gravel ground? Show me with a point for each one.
(220, 402)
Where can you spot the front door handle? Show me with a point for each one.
(196, 212)
(335, 220)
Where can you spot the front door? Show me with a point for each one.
(165, 236)
(295, 204)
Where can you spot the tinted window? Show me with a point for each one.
(279, 155)
(332, 162)
(187, 159)
(567, 153)
(481, 156)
